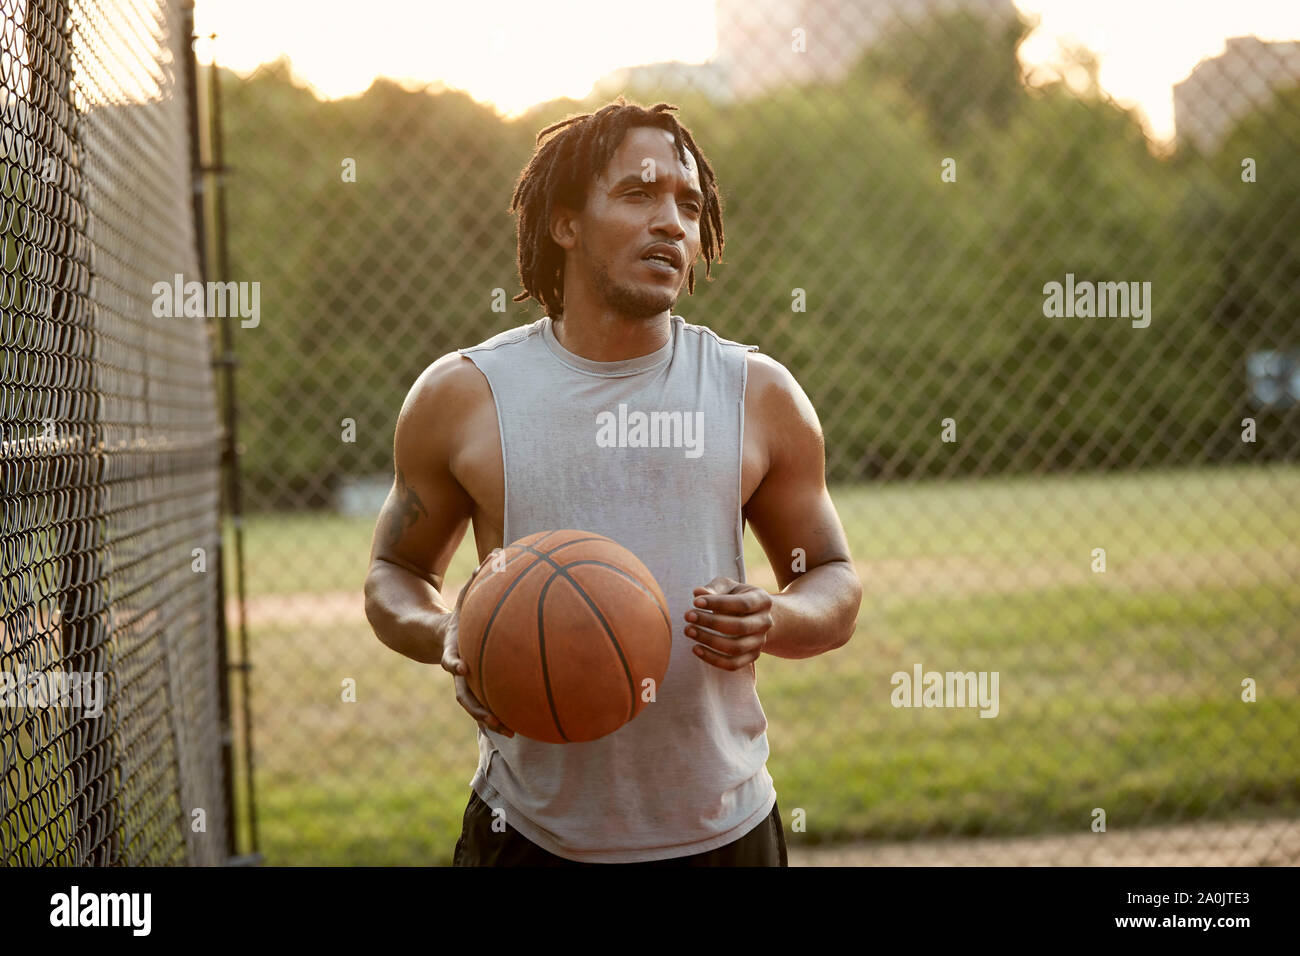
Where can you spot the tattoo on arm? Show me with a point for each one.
(409, 512)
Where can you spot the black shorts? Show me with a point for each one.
(480, 846)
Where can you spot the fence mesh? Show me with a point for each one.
(1093, 494)
(109, 730)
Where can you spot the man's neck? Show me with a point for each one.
(610, 338)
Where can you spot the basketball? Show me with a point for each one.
(559, 633)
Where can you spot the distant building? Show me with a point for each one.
(711, 79)
(755, 40)
(1221, 90)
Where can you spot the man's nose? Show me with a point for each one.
(668, 219)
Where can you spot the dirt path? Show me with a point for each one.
(1272, 842)
(1250, 843)
(951, 576)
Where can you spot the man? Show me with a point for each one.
(613, 211)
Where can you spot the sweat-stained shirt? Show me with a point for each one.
(689, 773)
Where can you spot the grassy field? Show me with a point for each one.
(1119, 690)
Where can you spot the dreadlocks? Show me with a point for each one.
(560, 172)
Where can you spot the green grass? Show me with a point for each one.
(1113, 692)
(36, 780)
(1132, 516)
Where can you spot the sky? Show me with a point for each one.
(495, 50)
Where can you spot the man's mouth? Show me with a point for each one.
(661, 264)
(663, 258)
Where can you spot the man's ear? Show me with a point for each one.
(564, 227)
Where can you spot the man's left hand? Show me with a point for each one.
(730, 621)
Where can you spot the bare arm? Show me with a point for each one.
(796, 523)
(423, 520)
(816, 609)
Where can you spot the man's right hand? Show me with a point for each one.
(452, 664)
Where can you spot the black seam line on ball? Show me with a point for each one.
(653, 597)
(603, 564)
(546, 555)
(487, 630)
(617, 570)
(560, 570)
(541, 650)
(609, 631)
(482, 646)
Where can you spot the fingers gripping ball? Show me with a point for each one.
(558, 644)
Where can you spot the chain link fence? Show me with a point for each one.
(110, 742)
(1057, 365)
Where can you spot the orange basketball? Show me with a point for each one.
(559, 632)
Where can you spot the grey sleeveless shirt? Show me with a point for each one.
(689, 773)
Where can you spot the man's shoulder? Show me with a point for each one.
(519, 333)
(454, 382)
(764, 374)
(447, 387)
(707, 333)
(776, 399)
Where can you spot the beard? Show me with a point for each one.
(633, 301)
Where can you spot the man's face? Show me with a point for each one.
(646, 201)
